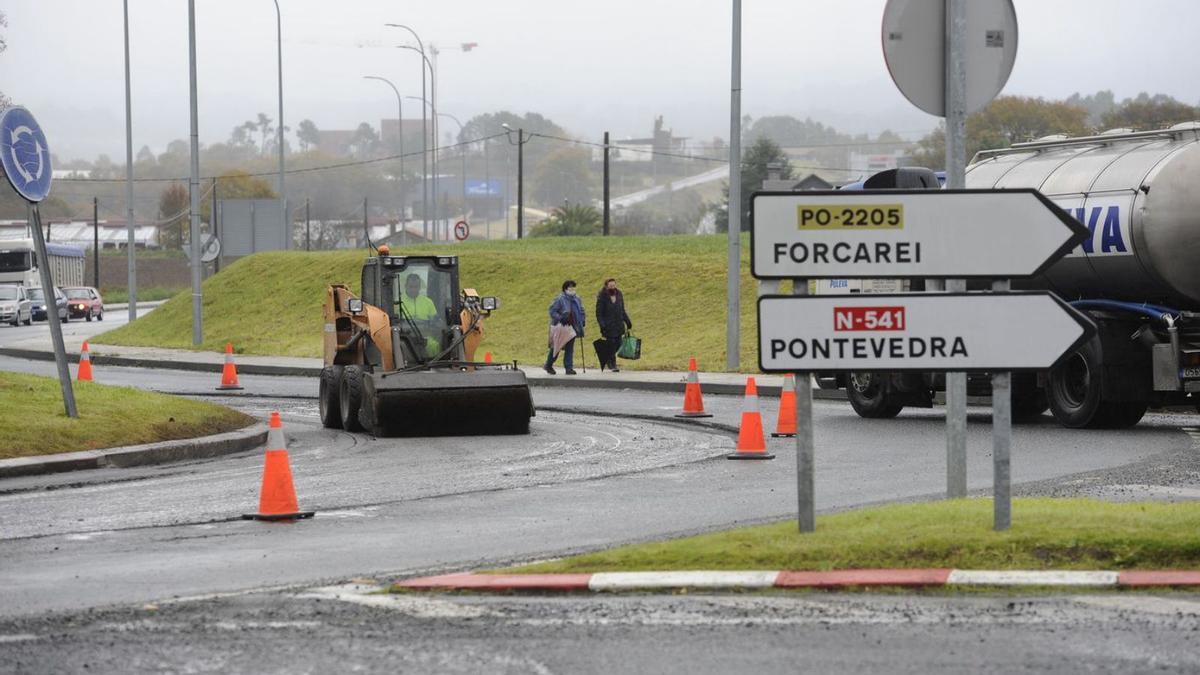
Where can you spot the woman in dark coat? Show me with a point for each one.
(613, 322)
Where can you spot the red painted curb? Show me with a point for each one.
(844, 578)
(501, 582)
(1141, 578)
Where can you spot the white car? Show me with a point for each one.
(15, 306)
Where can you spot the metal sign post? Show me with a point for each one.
(1001, 440)
(805, 448)
(25, 157)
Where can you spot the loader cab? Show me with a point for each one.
(420, 295)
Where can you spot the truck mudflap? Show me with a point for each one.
(447, 402)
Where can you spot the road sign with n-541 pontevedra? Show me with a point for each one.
(953, 332)
(907, 233)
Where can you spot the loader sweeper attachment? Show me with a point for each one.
(400, 359)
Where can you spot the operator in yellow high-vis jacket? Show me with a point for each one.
(420, 308)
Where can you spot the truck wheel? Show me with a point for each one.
(869, 396)
(1124, 414)
(1074, 389)
(331, 380)
(350, 397)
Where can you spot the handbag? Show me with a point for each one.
(631, 347)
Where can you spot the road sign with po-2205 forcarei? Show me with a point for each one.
(908, 233)
(935, 332)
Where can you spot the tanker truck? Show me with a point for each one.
(1137, 277)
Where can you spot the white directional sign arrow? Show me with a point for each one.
(908, 233)
(928, 332)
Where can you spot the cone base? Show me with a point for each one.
(750, 455)
(779, 435)
(300, 515)
(229, 387)
(693, 414)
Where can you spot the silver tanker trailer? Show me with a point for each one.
(1138, 277)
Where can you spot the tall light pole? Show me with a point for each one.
(400, 132)
(283, 213)
(194, 182)
(732, 299)
(130, 227)
(424, 129)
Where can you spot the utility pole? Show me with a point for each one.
(366, 223)
(307, 228)
(96, 243)
(606, 195)
(212, 223)
(520, 183)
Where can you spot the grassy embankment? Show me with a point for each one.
(1046, 534)
(32, 421)
(674, 289)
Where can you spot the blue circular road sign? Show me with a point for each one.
(24, 154)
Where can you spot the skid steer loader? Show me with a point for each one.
(400, 359)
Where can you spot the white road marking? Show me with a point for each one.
(611, 581)
(18, 637)
(1031, 578)
(417, 606)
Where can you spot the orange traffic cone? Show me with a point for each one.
(84, 374)
(785, 427)
(278, 498)
(229, 373)
(693, 403)
(751, 444)
(487, 357)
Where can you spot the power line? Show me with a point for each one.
(264, 174)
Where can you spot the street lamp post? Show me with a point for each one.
(400, 132)
(420, 49)
(130, 227)
(283, 214)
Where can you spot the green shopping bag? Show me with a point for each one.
(631, 347)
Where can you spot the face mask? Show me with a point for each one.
(570, 291)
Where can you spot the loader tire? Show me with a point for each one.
(350, 397)
(368, 411)
(327, 397)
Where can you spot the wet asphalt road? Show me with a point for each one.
(389, 507)
(311, 632)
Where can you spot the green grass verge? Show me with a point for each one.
(674, 288)
(116, 295)
(32, 420)
(1046, 534)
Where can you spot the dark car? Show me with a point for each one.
(84, 302)
(38, 308)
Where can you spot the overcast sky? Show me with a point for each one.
(590, 66)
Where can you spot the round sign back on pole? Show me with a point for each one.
(210, 248)
(25, 154)
(914, 46)
(462, 230)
